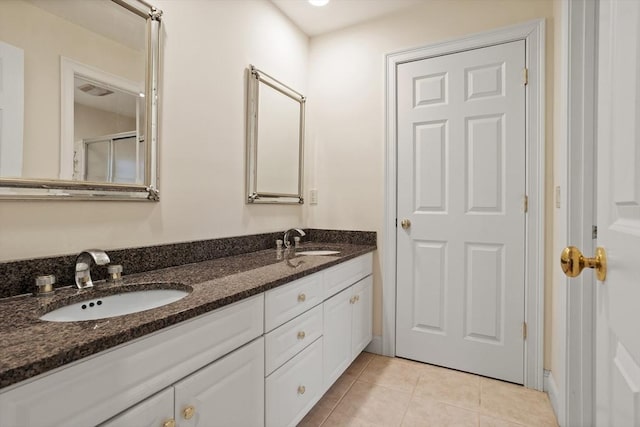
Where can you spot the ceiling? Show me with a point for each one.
(105, 18)
(338, 13)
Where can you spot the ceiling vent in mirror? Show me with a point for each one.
(95, 90)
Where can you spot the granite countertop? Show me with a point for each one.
(30, 346)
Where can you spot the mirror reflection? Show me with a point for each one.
(72, 101)
(274, 140)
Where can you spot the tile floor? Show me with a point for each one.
(383, 391)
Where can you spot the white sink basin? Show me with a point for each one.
(115, 305)
(318, 253)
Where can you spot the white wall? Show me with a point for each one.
(346, 119)
(208, 45)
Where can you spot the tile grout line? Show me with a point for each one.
(413, 392)
(347, 391)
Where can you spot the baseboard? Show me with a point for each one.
(375, 346)
(551, 389)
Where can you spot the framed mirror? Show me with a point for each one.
(78, 99)
(275, 140)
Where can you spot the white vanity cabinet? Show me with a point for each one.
(264, 360)
(95, 389)
(293, 350)
(309, 334)
(226, 393)
(347, 328)
(362, 316)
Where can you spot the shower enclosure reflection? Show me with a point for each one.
(108, 128)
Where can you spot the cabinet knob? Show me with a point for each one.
(302, 297)
(352, 300)
(357, 297)
(188, 412)
(169, 423)
(301, 335)
(301, 389)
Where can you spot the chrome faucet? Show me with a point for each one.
(83, 263)
(287, 243)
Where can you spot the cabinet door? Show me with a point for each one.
(337, 336)
(152, 412)
(229, 392)
(362, 318)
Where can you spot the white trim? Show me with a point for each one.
(68, 70)
(375, 346)
(533, 32)
(580, 83)
(551, 389)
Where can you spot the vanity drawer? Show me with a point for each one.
(346, 274)
(292, 390)
(284, 342)
(286, 302)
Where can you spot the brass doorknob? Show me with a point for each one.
(405, 223)
(169, 423)
(189, 412)
(573, 262)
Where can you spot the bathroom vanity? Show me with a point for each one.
(257, 347)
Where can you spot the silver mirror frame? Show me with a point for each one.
(52, 189)
(254, 79)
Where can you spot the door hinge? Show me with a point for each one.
(526, 203)
(524, 330)
(594, 231)
(525, 76)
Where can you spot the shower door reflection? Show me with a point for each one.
(113, 158)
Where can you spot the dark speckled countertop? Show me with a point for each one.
(29, 346)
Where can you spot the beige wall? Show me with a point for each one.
(208, 46)
(44, 37)
(92, 122)
(346, 108)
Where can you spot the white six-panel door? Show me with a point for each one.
(461, 183)
(618, 215)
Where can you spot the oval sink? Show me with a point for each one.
(115, 305)
(326, 252)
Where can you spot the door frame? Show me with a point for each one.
(533, 33)
(572, 388)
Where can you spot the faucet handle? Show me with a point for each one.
(114, 272)
(44, 285)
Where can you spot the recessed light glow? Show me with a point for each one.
(319, 2)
